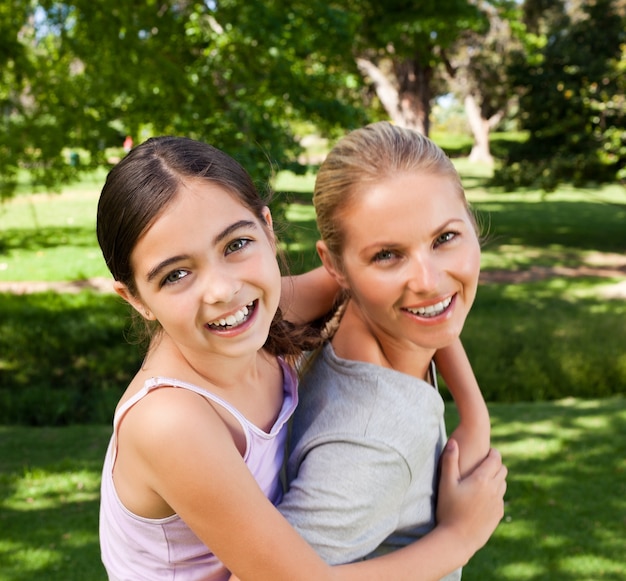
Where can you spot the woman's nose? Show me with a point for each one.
(423, 273)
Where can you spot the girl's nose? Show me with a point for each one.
(220, 287)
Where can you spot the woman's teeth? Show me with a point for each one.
(432, 310)
(234, 319)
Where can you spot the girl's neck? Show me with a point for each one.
(253, 385)
(208, 370)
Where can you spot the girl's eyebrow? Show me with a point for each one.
(230, 229)
(156, 270)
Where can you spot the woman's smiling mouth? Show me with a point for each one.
(431, 310)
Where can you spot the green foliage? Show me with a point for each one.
(83, 74)
(64, 357)
(571, 100)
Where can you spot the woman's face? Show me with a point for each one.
(411, 259)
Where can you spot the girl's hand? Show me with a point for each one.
(471, 507)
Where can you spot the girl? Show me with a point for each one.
(192, 469)
(398, 236)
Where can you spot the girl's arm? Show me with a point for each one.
(188, 458)
(474, 431)
(463, 527)
(306, 297)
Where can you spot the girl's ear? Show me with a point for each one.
(329, 264)
(121, 289)
(267, 216)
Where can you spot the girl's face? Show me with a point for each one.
(207, 271)
(411, 259)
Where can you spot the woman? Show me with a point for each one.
(398, 236)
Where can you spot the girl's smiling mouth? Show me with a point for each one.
(235, 319)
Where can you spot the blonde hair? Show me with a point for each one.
(366, 156)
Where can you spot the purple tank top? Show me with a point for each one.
(134, 548)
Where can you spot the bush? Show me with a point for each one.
(526, 344)
(63, 358)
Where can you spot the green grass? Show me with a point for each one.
(50, 237)
(565, 503)
(49, 486)
(566, 499)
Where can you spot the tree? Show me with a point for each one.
(399, 49)
(477, 68)
(237, 74)
(571, 96)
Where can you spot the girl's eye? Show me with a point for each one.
(237, 245)
(174, 277)
(445, 237)
(383, 256)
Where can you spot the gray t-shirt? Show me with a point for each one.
(362, 466)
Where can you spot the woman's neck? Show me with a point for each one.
(358, 340)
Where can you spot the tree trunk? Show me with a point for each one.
(480, 129)
(405, 97)
(414, 82)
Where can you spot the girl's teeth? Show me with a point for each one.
(233, 319)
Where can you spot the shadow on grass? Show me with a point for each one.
(565, 504)
(541, 341)
(33, 240)
(50, 497)
(63, 358)
(571, 225)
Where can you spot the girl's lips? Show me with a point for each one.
(235, 319)
(433, 310)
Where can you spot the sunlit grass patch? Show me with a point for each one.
(566, 500)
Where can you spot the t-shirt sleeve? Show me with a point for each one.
(346, 496)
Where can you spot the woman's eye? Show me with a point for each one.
(174, 277)
(445, 237)
(383, 255)
(236, 245)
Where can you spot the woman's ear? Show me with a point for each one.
(121, 289)
(330, 264)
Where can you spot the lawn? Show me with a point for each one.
(51, 237)
(63, 360)
(565, 503)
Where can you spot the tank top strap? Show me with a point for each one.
(153, 383)
(248, 428)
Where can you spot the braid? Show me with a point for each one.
(289, 340)
(331, 326)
